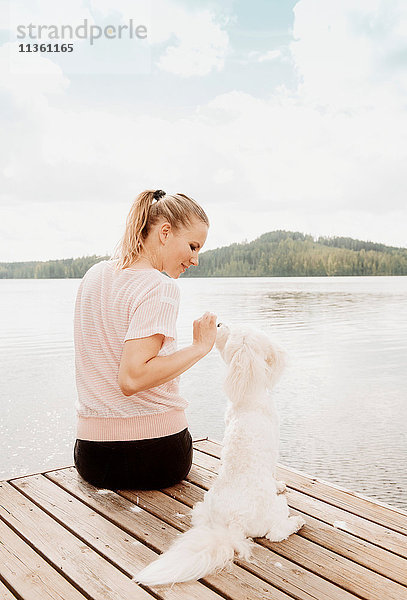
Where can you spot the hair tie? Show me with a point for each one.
(158, 194)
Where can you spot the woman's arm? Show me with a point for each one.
(141, 369)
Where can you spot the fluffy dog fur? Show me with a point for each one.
(245, 501)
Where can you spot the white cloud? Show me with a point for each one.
(268, 56)
(200, 42)
(190, 41)
(46, 231)
(43, 12)
(39, 75)
(196, 54)
(345, 52)
(256, 56)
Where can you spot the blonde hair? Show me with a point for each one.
(150, 207)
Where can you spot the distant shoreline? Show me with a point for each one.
(273, 254)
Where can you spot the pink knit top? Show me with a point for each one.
(111, 307)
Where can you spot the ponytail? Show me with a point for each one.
(132, 241)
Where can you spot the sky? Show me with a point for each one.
(271, 114)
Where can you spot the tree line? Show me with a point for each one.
(50, 269)
(293, 254)
(273, 254)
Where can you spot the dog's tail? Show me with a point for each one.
(196, 553)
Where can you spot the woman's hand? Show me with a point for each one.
(205, 332)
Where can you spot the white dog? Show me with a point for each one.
(245, 500)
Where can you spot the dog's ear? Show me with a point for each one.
(245, 374)
(276, 361)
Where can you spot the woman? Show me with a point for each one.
(132, 431)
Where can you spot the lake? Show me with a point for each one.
(342, 400)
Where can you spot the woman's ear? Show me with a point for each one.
(164, 231)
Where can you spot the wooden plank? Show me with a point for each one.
(341, 520)
(5, 593)
(337, 569)
(378, 512)
(236, 584)
(110, 540)
(204, 472)
(346, 544)
(27, 574)
(70, 556)
(36, 472)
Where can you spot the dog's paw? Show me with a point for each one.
(275, 536)
(245, 552)
(280, 486)
(282, 531)
(299, 522)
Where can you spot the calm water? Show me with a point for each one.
(342, 400)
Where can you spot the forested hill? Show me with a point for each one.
(273, 254)
(293, 254)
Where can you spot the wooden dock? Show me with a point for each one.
(61, 538)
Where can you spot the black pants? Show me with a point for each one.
(137, 464)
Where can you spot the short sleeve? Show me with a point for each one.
(157, 312)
